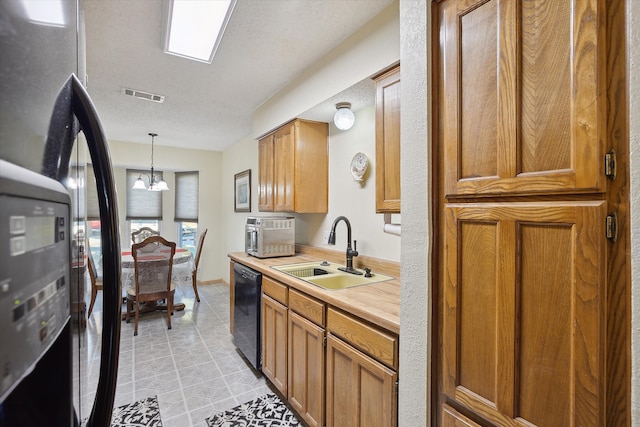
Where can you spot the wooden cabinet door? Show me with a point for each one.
(388, 142)
(284, 169)
(523, 320)
(274, 342)
(306, 369)
(360, 391)
(522, 96)
(265, 174)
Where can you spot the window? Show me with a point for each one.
(137, 224)
(186, 209)
(93, 219)
(143, 204)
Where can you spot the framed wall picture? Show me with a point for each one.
(242, 191)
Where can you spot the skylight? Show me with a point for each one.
(195, 27)
(45, 12)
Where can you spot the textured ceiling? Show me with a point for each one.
(207, 106)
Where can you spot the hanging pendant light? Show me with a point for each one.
(153, 184)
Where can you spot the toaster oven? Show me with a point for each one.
(270, 236)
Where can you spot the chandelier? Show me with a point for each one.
(154, 185)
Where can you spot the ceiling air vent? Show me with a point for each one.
(143, 95)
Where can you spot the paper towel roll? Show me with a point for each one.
(392, 229)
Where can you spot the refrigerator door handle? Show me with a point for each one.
(87, 115)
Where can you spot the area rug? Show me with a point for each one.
(267, 410)
(145, 412)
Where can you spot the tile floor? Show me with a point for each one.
(194, 368)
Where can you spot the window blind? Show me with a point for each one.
(93, 209)
(75, 185)
(186, 196)
(143, 204)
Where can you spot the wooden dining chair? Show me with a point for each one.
(152, 277)
(96, 281)
(194, 274)
(143, 233)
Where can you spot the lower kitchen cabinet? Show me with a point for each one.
(360, 391)
(306, 369)
(274, 334)
(333, 368)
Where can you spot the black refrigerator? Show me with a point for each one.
(45, 115)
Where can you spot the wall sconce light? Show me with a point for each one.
(153, 184)
(344, 118)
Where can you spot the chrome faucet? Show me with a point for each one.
(350, 252)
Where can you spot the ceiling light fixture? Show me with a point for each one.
(344, 118)
(195, 27)
(153, 184)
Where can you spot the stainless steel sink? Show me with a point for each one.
(327, 276)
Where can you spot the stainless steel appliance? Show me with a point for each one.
(43, 109)
(270, 236)
(35, 278)
(247, 287)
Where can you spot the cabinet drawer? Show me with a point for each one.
(379, 344)
(275, 290)
(307, 307)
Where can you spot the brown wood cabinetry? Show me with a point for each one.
(388, 141)
(293, 348)
(294, 168)
(274, 333)
(530, 122)
(265, 174)
(361, 391)
(306, 358)
(532, 294)
(347, 377)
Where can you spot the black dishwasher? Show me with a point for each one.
(247, 285)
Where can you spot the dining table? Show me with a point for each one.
(183, 264)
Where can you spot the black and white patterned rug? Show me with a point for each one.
(145, 412)
(267, 410)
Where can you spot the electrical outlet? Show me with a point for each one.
(325, 237)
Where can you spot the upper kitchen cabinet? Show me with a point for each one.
(293, 173)
(516, 119)
(388, 141)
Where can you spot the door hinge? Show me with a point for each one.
(324, 341)
(610, 165)
(612, 227)
(397, 386)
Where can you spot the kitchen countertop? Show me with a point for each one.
(378, 303)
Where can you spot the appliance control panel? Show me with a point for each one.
(34, 270)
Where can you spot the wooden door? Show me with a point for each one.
(306, 369)
(360, 391)
(265, 174)
(284, 169)
(523, 316)
(274, 342)
(521, 112)
(533, 297)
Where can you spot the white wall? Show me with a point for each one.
(169, 160)
(237, 158)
